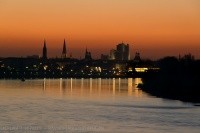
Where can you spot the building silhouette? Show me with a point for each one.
(121, 53)
(66, 67)
(104, 57)
(44, 56)
(64, 52)
(112, 54)
(88, 55)
(137, 57)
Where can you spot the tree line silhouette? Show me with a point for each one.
(178, 78)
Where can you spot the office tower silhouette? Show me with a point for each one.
(121, 53)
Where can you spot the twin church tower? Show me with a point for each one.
(63, 55)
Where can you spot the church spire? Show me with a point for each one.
(64, 52)
(44, 51)
(87, 55)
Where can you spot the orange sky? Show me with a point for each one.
(155, 28)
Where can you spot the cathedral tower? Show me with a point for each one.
(88, 55)
(64, 52)
(44, 51)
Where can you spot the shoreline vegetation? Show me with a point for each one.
(178, 79)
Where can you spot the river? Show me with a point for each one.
(90, 106)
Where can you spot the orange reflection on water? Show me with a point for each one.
(93, 87)
(73, 88)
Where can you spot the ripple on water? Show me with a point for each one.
(104, 110)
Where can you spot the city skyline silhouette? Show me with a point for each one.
(100, 66)
(153, 28)
(61, 53)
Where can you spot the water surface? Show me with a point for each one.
(90, 105)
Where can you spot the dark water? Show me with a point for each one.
(90, 105)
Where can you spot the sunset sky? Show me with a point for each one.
(155, 28)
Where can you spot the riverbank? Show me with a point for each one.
(162, 91)
(177, 80)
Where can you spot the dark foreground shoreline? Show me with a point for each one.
(177, 79)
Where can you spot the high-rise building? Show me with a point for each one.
(121, 53)
(64, 51)
(44, 51)
(112, 54)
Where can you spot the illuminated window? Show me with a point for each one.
(141, 69)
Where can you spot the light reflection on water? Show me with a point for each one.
(92, 87)
(90, 105)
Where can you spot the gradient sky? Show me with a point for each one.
(155, 28)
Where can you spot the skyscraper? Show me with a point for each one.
(112, 54)
(44, 56)
(64, 52)
(121, 52)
